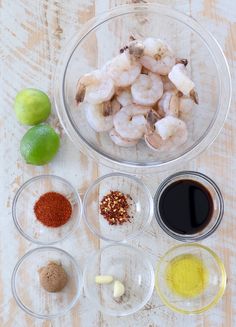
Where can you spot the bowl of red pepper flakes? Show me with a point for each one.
(117, 207)
(46, 209)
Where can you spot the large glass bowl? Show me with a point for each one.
(100, 40)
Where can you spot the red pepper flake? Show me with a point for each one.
(53, 209)
(114, 208)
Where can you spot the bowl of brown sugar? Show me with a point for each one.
(46, 209)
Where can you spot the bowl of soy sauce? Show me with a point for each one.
(188, 206)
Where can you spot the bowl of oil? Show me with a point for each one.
(190, 278)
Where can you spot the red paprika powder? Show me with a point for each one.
(53, 209)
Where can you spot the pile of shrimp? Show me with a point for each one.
(140, 94)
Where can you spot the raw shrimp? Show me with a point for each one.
(100, 116)
(157, 56)
(130, 121)
(169, 133)
(179, 77)
(123, 69)
(121, 141)
(147, 89)
(170, 103)
(95, 87)
(124, 97)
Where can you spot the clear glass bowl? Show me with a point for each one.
(31, 297)
(218, 205)
(100, 40)
(126, 264)
(141, 208)
(23, 209)
(215, 287)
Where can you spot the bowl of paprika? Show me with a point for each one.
(46, 209)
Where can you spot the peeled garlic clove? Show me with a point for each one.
(103, 279)
(119, 289)
(178, 76)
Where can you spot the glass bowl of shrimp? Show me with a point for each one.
(142, 88)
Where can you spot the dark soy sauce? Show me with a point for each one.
(186, 207)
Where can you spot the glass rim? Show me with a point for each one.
(133, 179)
(17, 298)
(188, 237)
(220, 291)
(15, 201)
(148, 264)
(217, 56)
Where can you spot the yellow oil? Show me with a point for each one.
(187, 276)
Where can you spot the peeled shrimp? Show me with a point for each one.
(130, 121)
(169, 103)
(121, 141)
(100, 116)
(123, 69)
(95, 87)
(124, 97)
(157, 56)
(169, 133)
(147, 89)
(179, 77)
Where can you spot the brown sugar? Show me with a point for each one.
(53, 277)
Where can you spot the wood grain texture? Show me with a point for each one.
(33, 34)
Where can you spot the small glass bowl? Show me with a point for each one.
(23, 209)
(31, 297)
(218, 203)
(213, 291)
(141, 208)
(126, 264)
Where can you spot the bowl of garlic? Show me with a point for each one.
(118, 279)
(142, 87)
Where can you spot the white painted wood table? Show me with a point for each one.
(33, 33)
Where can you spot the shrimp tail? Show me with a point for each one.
(179, 94)
(132, 38)
(136, 49)
(124, 49)
(107, 108)
(194, 96)
(152, 117)
(182, 61)
(80, 94)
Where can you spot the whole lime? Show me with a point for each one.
(32, 106)
(39, 145)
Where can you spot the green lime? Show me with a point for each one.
(32, 106)
(39, 145)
